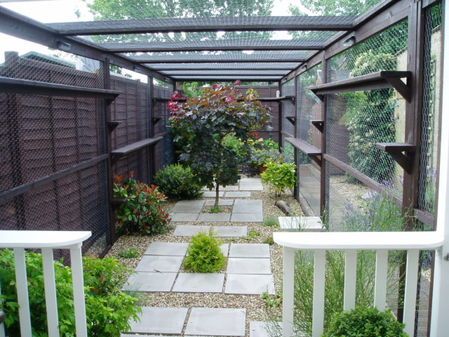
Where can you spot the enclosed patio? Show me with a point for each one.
(224, 168)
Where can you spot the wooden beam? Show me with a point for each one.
(126, 150)
(403, 154)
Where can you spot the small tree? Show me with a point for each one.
(200, 127)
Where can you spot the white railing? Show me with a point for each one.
(47, 241)
(351, 243)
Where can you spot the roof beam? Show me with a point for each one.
(219, 58)
(20, 26)
(206, 24)
(228, 78)
(225, 45)
(223, 66)
(225, 72)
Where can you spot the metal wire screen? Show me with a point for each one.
(431, 109)
(288, 129)
(357, 121)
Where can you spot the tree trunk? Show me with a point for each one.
(217, 194)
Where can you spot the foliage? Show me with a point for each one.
(272, 301)
(108, 308)
(178, 182)
(365, 322)
(370, 119)
(129, 253)
(202, 128)
(269, 240)
(253, 234)
(141, 210)
(215, 209)
(379, 213)
(271, 221)
(236, 145)
(204, 254)
(280, 176)
(192, 89)
(263, 151)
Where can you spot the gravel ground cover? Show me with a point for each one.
(257, 233)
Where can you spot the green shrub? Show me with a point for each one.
(272, 301)
(108, 308)
(271, 221)
(280, 176)
(129, 253)
(262, 151)
(178, 182)
(204, 254)
(141, 209)
(231, 142)
(365, 322)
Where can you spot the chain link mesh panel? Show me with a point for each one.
(288, 129)
(431, 109)
(356, 121)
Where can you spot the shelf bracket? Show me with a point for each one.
(316, 158)
(155, 120)
(402, 88)
(112, 125)
(291, 119)
(319, 124)
(403, 154)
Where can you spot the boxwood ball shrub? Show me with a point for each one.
(108, 309)
(365, 322)
(178, 182)
(204, 254)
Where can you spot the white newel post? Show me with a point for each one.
(288, 291)
(440, 299)
(78, 290)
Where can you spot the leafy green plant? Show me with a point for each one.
(178, 182)
(129, 253)
(141, 208)
(108, 309)
(202, 128)
(204, 254)
(269, 241)
(280, 176)
(231, 142)
(253, 234)
(272, 301)
(216, 209)
(365, 322)
(263, 151)
(271, 221)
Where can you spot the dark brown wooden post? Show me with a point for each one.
(151, 126)
(296, 134)
(323, 178)
(280, 125)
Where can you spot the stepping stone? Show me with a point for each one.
(167, 249)
(188, 206)
(190, 230)
(178, 217)
(231, 188)
(247, 217)
(225, 249)
(143, 281)
(247, 207)
(230, 231)
(221, 202)
(237, 194)
(215, 217)
(304, 223)
(249, 284)
(249, 250)
(199, 282)
(216, 322)
(251, 184)
(264, 329)
(211, 194)
(153, 263)
(248, 266)
(160, 320)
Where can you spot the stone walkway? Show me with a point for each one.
(248, 270)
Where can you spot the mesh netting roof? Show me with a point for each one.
(182, 38)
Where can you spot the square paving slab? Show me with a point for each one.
(160, 320)
(230, 231)
(216, 322)
(264, 329)
(143, 281)
(221, 202)
(247, 207)
(305, 223)
(249, 250)
(188, 206)
(198, 282)
(251, 184)
(190, 230)
(247, 217)
(237, 194)
(211, 194)
(225, 249)
(248, 266)
(215, 217)
(167, 248)
(184, 217)
(249, 284)
(154, 263)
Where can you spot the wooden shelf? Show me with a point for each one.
(291, 119)
(403, 154)
(378, 80)
(167, 99)
(276, 99)
(21, 86)
(319, 124)
(126, 150)
(312, 151)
